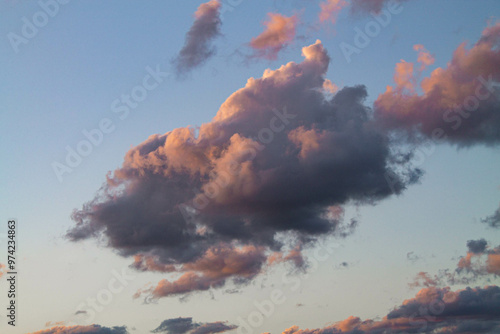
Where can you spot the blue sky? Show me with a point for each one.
(64, 80)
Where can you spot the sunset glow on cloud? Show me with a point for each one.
(458, 103)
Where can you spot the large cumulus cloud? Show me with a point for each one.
(277, 159)
(433, 310)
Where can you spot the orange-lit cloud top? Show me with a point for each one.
(91, 329)
(459, 103)
(198, 46)
(2, 266)
(279, 32)
(432, 310)
(276, 158)
(330, 9)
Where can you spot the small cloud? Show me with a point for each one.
(198, 46)
(279, 32)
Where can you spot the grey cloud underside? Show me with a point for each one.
(477, 246)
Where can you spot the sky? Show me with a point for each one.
(268, 166)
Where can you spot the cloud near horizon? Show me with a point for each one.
(186, 325)
(90, 329)
(279, 33)
(432, 310)
(459, 104)
(198, 46)
(268, 174)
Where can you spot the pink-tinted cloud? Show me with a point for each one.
(425, 58)
(459, 103)
(211, 270)
(279, 32)
(404, 76)
(432, 310)
(198, 46)
(330, 9)
(423, 279)
(294, 255)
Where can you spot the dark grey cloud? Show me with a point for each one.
(371, 6)
(493, 220)
(186, 325)
(213, 327)
(175, 326)
(198, 46)
(477, 246)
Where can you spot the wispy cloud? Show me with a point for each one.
(198, 46)
(330, 9)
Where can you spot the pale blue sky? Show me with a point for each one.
(65, 78)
